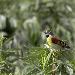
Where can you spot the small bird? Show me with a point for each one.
(53, 39)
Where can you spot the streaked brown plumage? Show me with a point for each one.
(59, 42)
(52, 39)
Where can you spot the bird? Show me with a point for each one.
(52, 39)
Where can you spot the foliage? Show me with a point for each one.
(25, 51)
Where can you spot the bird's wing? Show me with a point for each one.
(59, 42)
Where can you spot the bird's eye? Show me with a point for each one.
(47, 35)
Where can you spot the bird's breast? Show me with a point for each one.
(49, 41)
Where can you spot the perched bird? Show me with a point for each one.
(53, 39)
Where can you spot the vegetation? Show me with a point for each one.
(23, 47)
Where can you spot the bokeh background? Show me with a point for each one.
(22, 38)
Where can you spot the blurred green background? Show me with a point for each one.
(22, 38)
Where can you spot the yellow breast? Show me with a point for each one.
(49, 41)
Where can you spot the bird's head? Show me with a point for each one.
(48, 33)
